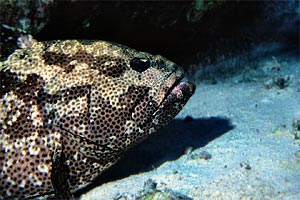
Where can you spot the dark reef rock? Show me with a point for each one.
(21, 17)
(187, 32)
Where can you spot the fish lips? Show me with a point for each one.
(175, 98)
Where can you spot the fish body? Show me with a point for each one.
(69, 109)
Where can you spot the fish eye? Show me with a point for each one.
(140, 64)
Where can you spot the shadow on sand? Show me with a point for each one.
(167, 144)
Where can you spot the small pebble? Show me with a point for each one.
(282, 82)
(245, 165)
(119, 196)
(150, 185)
(202, 155)
(188, 119)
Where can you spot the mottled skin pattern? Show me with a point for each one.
(70, 109)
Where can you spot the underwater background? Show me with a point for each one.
(238, 137)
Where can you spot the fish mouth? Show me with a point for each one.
(163, 101)
(176, 93)
(181, 91)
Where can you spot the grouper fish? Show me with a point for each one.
(69, 109)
